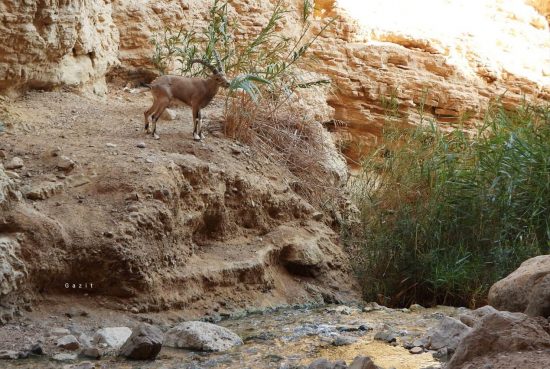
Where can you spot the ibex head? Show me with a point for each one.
(217, 73)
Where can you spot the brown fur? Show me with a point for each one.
(195, 92)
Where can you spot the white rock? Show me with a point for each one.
(112, 336)
(8, 354)
(169, 114)
(59, 332)
(15, 163)
(64, 357)
(201, 336)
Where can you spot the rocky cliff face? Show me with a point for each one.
(445, 64)
(51, 42)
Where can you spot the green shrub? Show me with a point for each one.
(444, 216)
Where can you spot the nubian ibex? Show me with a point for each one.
(195, 92)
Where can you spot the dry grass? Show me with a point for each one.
(282, 133)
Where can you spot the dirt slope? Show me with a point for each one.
(177, 224)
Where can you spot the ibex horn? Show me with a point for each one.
(209, 66)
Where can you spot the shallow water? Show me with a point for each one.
(290, 338)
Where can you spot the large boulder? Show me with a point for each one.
(526, 290)
(201, 336)
(447, 334)
(504, 340)
(144, 343)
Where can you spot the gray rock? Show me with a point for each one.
(201, 336)
(416, 307)
(317, 216)
(36, 349)
(343, 340)
(144, 343)
(416, 350)
(365, 327)
(83, 365)
(343, 309)
(68, 342)
(65, 164)
(442, 354)
(472, 317)
(363, 362)
(420, 342)
(42, 191)
(59, 332)
(15, 163)
(141, 145)
(8, 355)
(85, 340)
(325, 364)
(91, 352)
(447, 334)
(352, 328)
(112, 336)
(371, 306)
(386, 336)
(73, 312)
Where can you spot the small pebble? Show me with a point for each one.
(141, 145)
(416, 350)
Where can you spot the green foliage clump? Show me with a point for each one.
(444, 216)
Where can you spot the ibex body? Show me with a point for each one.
(195, 92)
